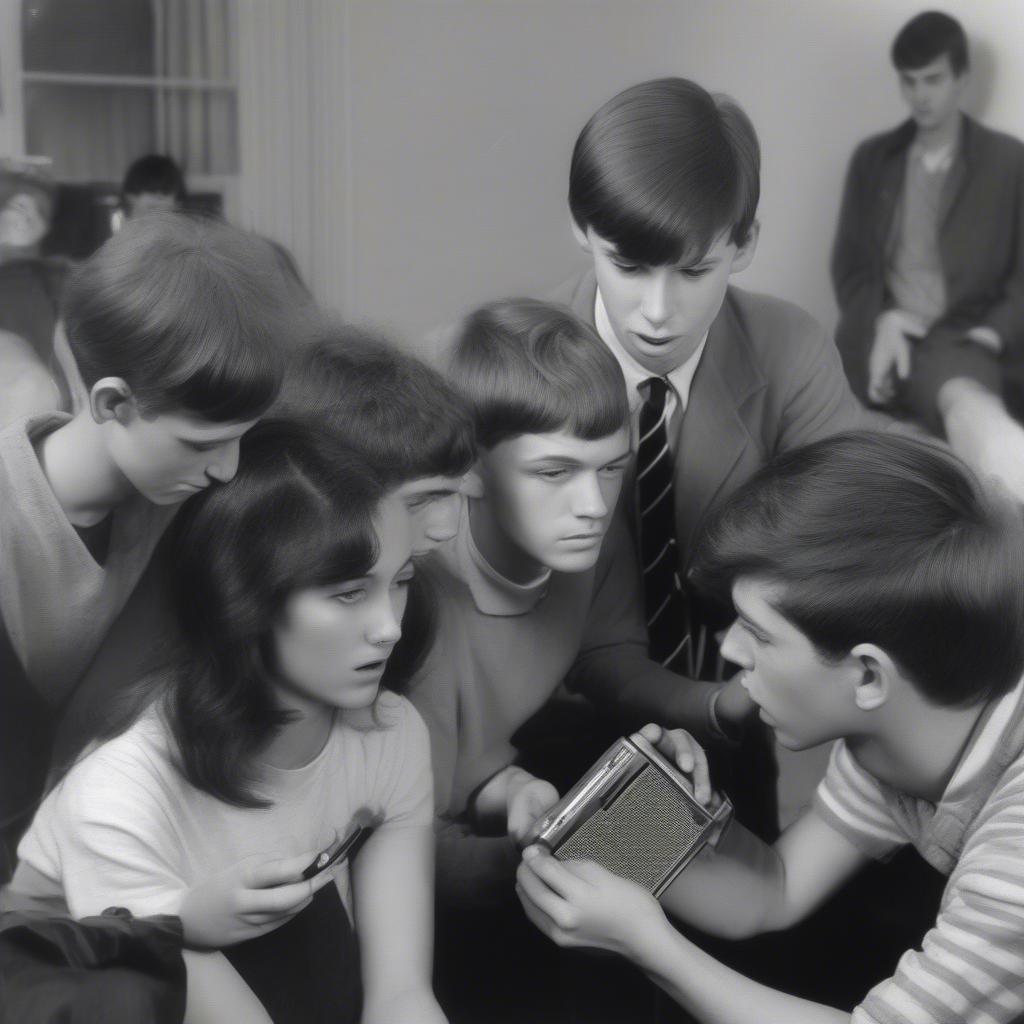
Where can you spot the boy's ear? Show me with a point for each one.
(472, 485)
(745, 253)
(110, 398)
(580, 235)
(878, 674)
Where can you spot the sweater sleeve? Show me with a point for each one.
(613, 668)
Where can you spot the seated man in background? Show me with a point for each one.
(928, 259)
(879, 593)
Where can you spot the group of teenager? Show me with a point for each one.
(277, 578)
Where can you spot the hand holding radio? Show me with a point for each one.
(679, 747)
(248, 899)
(580, 903)
(528, 798)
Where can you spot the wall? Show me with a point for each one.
(462, 115)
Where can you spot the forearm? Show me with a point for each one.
(716, 994)
(216, 992)
(414, 1005)
(623, 680)
(734, 891)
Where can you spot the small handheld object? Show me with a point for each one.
(633, 813)
(340, 849)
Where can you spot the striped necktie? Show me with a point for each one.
(675, 639)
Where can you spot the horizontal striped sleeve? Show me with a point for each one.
(852, 803)
(970, 968)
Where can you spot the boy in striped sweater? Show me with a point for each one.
(879, 596)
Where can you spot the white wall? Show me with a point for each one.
(462, 115)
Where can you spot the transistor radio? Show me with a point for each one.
(634, 813)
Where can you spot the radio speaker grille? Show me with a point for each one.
(641, 835)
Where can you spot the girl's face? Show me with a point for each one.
(333, 642)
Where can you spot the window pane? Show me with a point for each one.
(91, 133)
(200, 130)
(98, 37)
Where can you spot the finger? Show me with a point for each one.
(903, 361)
(277, 872)
(279, 900)
(652, 732)
(701, 777)
(542, 897)
(553, 873)
(539, 919)
(271, 919)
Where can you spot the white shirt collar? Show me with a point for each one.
(681, 378)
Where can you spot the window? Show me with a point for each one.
(107, 81)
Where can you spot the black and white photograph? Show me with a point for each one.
(511, 512)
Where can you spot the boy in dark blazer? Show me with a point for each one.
(663, 191)
(928, 259)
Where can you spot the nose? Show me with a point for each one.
(442, 519)
(588, 501)
(654, 303)
(225, 465)
(734, 649)
(385, 628)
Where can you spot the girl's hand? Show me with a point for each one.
(528, 799)
(580, 903)
(248, 899)
(686, 753)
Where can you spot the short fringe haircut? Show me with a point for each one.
(397, 412)
(529, 367)
(192, 313)
(663, 169)
(876, 538)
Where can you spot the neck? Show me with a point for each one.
(501, 552)
(942, 134)
(919, 747)
(83, 477)
(299, 741)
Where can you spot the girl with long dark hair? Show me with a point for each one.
(269, 738)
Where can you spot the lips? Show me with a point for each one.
(654, 341)
(372, 666)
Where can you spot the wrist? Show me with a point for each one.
(962, 397)
(719, 726)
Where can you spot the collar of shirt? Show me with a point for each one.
(681, 378)
(941, 159)
(986, 740)
(493, 593)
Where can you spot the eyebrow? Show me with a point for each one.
(750, 621)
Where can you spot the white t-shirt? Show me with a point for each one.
(125, 828)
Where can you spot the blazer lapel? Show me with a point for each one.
(957, 177)
(712, 436)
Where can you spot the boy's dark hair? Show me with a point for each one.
(156, 174)
(192, 313)
(927, 37)
(663, 169)
(889, 540)
(529, 367)
(298, 514)
(399, 414)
